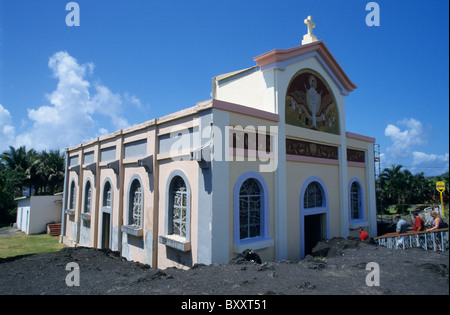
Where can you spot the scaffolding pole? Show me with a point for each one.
(377, 157)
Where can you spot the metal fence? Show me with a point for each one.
(436, 240)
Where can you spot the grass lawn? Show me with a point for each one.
(28, 244)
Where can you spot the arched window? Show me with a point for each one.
(135, 204)
(356, 202)
(313, 197)
(107, 195)
(177, 230)
(87, 197)
(72, 196)
(251, 213)
(250, 209)
(179, 201)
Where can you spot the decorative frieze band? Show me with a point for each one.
(304, 148)
(316, 150)
(356, 156)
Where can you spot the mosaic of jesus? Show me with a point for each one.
(310, 104)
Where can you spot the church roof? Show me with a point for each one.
(279, 58)
(234, 73)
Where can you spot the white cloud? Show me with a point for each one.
(7, 131)
(102, 132)
(434, 164)
(403, 140)
(420, 157)
(133, 100)
(75, 107)
(109, 104)
(5, 116)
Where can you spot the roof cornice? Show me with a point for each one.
(279, 58)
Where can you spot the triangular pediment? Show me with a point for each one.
(280, 58)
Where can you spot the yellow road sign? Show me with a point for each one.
(440, 186)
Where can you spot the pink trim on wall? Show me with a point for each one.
(308, 159)
(283, 54)
(360, 137)
(356, 164)
(319, 46)
(244, 110)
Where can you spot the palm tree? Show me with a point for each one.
(42, 171)
(51, 172)
(391, 184)
(57, 167)
(421, 189)
(23, 162)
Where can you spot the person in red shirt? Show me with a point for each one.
(418, 222)
(363, 235)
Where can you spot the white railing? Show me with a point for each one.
(436, 240)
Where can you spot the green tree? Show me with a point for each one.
(22, 161)
(41, 173)
(44, 171)
(50, 172)
(401, 188)
(392, 181)
(421, 188)
(10, 181)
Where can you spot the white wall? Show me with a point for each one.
(23, 212)
(34, 213)
(249, 90)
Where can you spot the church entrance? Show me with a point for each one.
(106, 223)
(314, 225)
(314, 231)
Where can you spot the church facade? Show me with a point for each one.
(266, 164)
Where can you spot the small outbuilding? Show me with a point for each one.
(35, 212)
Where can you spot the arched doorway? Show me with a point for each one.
(107, 199)
(314, 225)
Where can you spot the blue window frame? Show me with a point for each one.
(135, 204)
(87, 197)
(251, 213)
(356, 203)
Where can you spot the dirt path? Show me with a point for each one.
(342, 271)
(10, 232)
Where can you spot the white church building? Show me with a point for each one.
(266, 164)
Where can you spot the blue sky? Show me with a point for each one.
(134, 60)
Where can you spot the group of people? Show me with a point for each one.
(419, 225)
